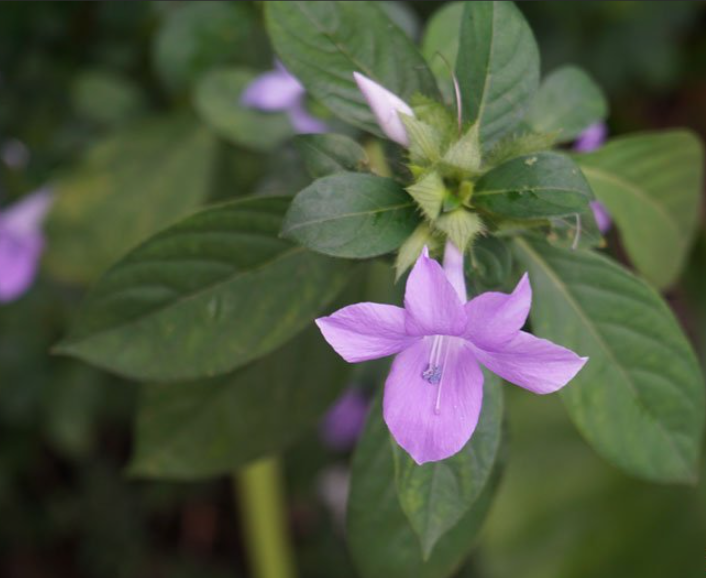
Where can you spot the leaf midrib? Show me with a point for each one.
(564, 289)
(345, 216)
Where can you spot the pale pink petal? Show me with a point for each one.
(273, 91)
(433, 307)
(303, 122)
(410, 402)
(602, 216)
(26, 216)
(453, 267)
(386, 107)
(535, 364)
(366, 331)
(495, 318)
(591, 138)
(19, 258)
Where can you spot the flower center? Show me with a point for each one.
(434, 371)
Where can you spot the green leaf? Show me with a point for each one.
(323, 43)
(436, 495)
(129, 186)
(534, 187)
(106, 98)
(205, 296)
(351, 215)
(212, 427)
(461, 226)
(197, 36)
(429, 193)
(651, 184)
(326, 154)
(639, 400)
(567, 102)
(497, 68)
(217, 101)
(382, 542)
(490, 265)
(440, 44)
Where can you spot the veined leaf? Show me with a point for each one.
(639, 400)
(205, 296)
(497, 68)
(535, 186)
(351, 215)
(323, 43)
(652, 186)
(326, 154)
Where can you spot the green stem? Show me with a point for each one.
(377, 159)
(261, 496)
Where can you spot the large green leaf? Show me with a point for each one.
(436, 495)
(128, 187)
(217, 100)
(534, 186)
(640, 398)
(351, 215)
(326, 154)
(381, 540)
(497, 68)
(440, 44)
(205, 296)
(567, 102)
(323, 43)
(652, 186)
(212, 427)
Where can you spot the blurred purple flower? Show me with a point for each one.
(21, 243)
(279, 91)
(342, 425)
(589, 140)
(434, 392)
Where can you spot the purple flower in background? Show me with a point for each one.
(21, 243)
(589, 140)
(279, 91)
(343, 424)
(434, 391)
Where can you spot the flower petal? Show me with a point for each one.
(591, 138)
(496, 318)
(366, 331)
(533, 363)
(272, 91)
(432, 304)
(602, 216)
(409, 403)
(19, 257)
(303, 122)
(386, 107)
(26, 216)
(453, 267)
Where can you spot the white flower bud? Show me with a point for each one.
(386, 107)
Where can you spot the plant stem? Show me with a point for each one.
(261, 496)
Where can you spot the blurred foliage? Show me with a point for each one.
(73, 75)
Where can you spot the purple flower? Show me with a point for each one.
(21, 243)
(589, 140)
(277, 90)
(434, 391)
(343, 424)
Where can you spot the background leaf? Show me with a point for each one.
(436, 495)
(441, 39)
(568, 101)
(129, 186)
(326, 154)
(651, 184)
(217, 100)
(205, 296)
(351, 215)
(323, 43)
(640, 398)
(533, 187)
(382, 542)
(497, 68)
(212, 427)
